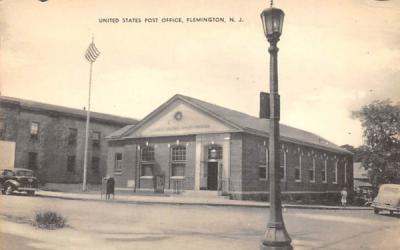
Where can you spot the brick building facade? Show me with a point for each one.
(202, 146)
(50, 140)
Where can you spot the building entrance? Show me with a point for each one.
(212, 175)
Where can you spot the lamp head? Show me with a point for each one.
(272, 20)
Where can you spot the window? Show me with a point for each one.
(334, 174)
(118, 163)
(147, 154)
(71, 161)
(262, 172)
(282, 169)
(178, 169)
(147, 169)
(73, 133)
(147, 161)
(24, 173)
(345, 173)
(263, 163)
(178, 163)
(32, 160)
(215, 152)
(9, 173)
(263, 155)
(297, 171)
(96, 139)
(324, 171)
(311, 171)
(34, 130)
(95, 164)
(2, 128)
(179, 153)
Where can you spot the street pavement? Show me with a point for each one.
(100, 224)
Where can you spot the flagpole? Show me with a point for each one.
(91, 55)
(85, 160)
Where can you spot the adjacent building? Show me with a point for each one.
(201, 146)
(50, 140)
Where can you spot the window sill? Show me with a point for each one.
(334, 182)
(118, 173)
(297, 180)
(146, 177)
(263, 179)
(324, 182)
(312, 181)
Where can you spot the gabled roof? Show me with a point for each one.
(242, 122)
(78, 113)
(120, 132)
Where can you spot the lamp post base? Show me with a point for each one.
(264, 247)
(276, 238)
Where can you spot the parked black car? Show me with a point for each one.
(18, 180)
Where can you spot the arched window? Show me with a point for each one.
(147, 161)
(324, 171)
(178, 161)
(297, 168)
(311, 170)
(179, 153)
(147, 154)
(335, 172)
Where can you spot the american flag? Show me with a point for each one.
(92, 53)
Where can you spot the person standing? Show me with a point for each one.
(344, 197)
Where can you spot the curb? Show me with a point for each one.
(201, 203)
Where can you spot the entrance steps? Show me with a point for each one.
(203, 194)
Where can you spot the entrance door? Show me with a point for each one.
(212, 176)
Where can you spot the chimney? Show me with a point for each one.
(264, 105)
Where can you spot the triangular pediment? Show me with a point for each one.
(180, 118)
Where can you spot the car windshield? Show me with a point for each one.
(391, 190)
(24, 173)
(8, 173)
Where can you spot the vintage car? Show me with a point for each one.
(387, 199)
(18, 180)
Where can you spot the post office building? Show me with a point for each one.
(201, 146)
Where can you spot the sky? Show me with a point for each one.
(334, 57)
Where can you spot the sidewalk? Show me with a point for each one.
(179, 199)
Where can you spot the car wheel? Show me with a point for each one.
(376, 211)
(391, 213)
(8, 189)
(31, 193)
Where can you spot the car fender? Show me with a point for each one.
(13, 183)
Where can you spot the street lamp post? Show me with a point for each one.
(276, 236)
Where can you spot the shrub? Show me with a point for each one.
(49, 220)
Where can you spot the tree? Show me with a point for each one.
(380, 154)
(356, 152)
